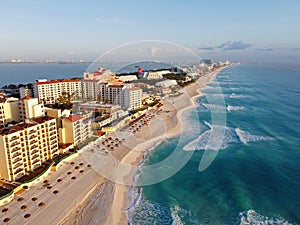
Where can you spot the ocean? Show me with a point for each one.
(255, 177)
(24, 73)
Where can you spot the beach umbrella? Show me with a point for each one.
(55, 192)
(109, 138)
(6, 220)
(89, 165)
(20, 199)
(59, 180)
(34, 199)
(81, 171)
(49, 187)
(73, 178)
(46, 181)
(4, 210)
(41, 204)
(69, 172)
(76, 167)
(27, 215)
(24, 207)
(72, 163)
(81, 164)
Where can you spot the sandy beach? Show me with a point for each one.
(86, 197)
(167, 124)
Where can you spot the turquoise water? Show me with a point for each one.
(254, 178)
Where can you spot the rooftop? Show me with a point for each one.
(57, 81)
(23, 125)
(74, 118)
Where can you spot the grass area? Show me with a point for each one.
(4, 191)
(40, 170)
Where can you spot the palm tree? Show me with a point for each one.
(65, 98)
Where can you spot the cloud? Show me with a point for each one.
(207, 48)
(234, 45)
(265, 49)
(229, 45)
(114, 21)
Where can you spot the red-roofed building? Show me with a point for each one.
(76, 129)
(49, 91)
(25, 146)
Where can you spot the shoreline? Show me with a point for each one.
(121, 197)
(86, 197)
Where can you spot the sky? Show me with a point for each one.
(251, 31)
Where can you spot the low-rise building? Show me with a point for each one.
(25, 146)
(166, 83)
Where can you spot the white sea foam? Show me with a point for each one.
(214, 108)
(233, 95)
(251, 217)
(175, 211)
(246, 137)
(234, 108)
(211, 138)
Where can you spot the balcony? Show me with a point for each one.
(36, 161)
(14, 138)
(18, 165)
(52, 124)
(32, 131)
(14, 144)
(19, 159)
(52, 133)
(15, 149)
(35, 151)
(16, 155)
(18, 171)
(33, 146)
(52, 128)
(53, 138)
(35, 156)
(32, 136)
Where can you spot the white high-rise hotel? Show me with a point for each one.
(102, 85)
(106, 87)
(49, 91)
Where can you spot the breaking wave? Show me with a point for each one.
(251, 217)
(234, 108)
(210, 139)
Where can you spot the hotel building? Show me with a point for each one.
(9, 110)
(25, 146)
(76, 129)
(49, 91)
(30, 108)
(133, 98)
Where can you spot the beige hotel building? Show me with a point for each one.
(25, 146)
